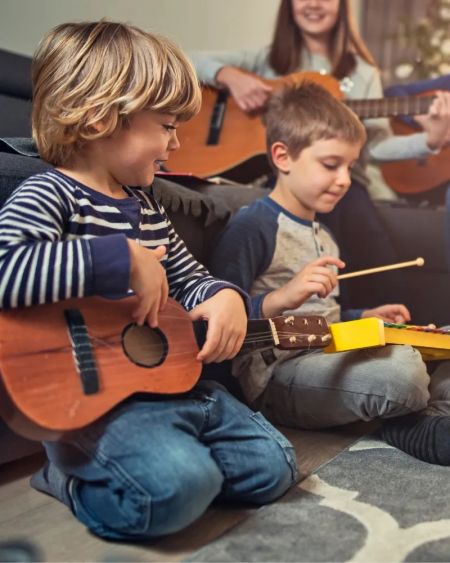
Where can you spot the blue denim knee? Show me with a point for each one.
(151, 467)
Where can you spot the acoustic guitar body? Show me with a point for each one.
(413, 176)
(41, 381)
(222, 137)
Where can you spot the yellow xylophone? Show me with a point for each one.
(433, 343)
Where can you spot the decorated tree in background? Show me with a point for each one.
(429, 43)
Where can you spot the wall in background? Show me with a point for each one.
(193, 24)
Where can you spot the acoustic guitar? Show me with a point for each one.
(223, 140)
(414, 176)
(65, 365)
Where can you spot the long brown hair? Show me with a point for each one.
(345, 41)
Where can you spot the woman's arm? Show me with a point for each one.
(240, 72)
(208, 64)
(383, 145)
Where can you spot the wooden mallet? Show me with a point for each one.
(416, 262)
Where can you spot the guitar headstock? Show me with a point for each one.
(303, 331)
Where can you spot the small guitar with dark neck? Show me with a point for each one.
(65, 365)
(224, 140)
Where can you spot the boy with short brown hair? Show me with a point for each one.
(277, 251)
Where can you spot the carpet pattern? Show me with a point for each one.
(371, 503)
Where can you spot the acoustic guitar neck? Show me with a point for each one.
(223, 140)
(391, 107)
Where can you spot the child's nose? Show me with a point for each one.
(174, 143)
(344, 178)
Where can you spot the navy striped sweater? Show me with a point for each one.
(61, 239)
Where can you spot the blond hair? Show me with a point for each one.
(300, 115)
(86, 73)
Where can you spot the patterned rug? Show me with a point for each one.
(371, 503)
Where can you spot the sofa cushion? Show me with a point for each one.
(14, 169)
(15, 94)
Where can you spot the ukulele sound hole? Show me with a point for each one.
(144, 346)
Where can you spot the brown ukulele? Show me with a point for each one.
(224, 140)
(65, 365)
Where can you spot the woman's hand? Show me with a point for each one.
(395, 313)
(436, 123)
(249, 92)
(227, 325)
(148, 280)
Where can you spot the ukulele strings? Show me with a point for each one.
(114, 343)
(180, 354)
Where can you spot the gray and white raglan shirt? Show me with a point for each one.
(262, 248)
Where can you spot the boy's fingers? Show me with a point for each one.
(330, 261)
(229, 350)
(164, 295)
(159, 252)
(210, 349)
(153, 312)
(140, 312)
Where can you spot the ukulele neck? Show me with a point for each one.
(261, 333)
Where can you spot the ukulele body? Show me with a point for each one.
(41, 379)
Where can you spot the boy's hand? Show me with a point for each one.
(227, 325)
(395, 313)
(315, 278)
(148, 281)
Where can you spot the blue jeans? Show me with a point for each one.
(152, 466)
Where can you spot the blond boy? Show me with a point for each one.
(108, 99)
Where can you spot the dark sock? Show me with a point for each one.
(423, 436)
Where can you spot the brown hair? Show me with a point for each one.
(287, 43)
(302, 114)
(86, 73)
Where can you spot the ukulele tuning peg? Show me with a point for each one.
(289, 320)
(311, 338)
(326, 337)
(292, 339)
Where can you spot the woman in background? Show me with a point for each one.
(320, 35)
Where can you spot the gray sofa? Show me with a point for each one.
(199, 214)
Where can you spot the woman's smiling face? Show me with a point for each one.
(315, 17)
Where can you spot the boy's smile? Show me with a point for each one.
(139, 149)
(130, 156)
(317, 179)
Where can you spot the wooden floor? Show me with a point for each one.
(50, 527)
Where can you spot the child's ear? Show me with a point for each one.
(98, 126)
(94, 123)
(280, 156)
